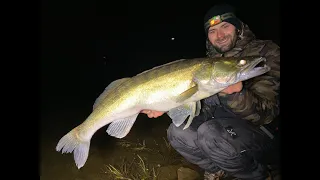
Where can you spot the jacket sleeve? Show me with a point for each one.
(259, 99)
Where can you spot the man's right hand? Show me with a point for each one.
(152, 114)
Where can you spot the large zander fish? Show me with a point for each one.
(175, 88)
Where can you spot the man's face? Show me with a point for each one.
(222, 36)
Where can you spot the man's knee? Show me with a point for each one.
(217, 135)
(210, 131)
(231, 145)
(224, 139)
(179, 137)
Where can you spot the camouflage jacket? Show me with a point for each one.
(258, 101)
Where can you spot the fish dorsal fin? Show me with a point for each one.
(121, 127)
(108, 89)
(160, 66)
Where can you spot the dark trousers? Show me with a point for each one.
(228, 143)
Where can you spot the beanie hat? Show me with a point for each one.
(221, 13)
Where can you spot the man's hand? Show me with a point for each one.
(152, 114)
(229, 90)
(232, 89)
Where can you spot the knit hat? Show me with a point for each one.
(221, 13)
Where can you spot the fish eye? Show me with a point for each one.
(242, 62)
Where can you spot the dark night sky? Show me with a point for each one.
(131, 36)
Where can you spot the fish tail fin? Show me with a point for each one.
(71, 142)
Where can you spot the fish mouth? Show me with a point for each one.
(257, 68)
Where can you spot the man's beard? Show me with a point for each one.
(226, 47)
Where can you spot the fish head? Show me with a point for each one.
(230, 70)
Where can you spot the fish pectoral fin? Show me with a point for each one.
(108, 89)
(198, 108)
(179, 114)
(186, 94)
(121, 127)
(193, 111)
